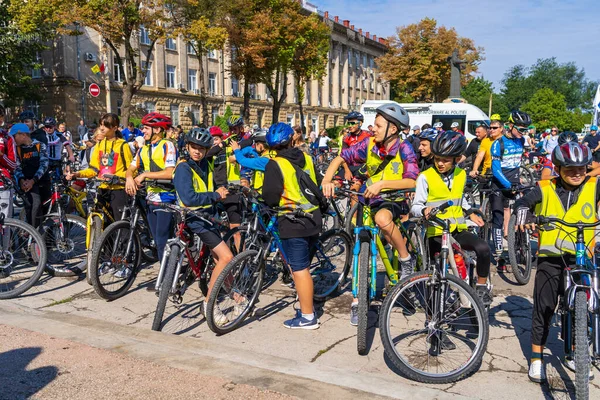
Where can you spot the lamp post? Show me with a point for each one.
(79, 72)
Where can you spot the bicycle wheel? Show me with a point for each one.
(235, 292)
(519, 252)
(416, 245)
(364, 269)
(582, 347)
(330, 263)
(321, 169)
(526, 177)
(66, 255)
(330, 220)
(149, 251)
(425, 344)
(484, 232)
(351, 220)
(113, 269)
(165, 287)
(22, 258)
(95, 231)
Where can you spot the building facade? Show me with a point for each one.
(172, 82)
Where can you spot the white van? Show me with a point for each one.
(468, 116)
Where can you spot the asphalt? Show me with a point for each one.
(269, 359)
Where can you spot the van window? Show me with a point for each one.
(472, 125)
(447, 120)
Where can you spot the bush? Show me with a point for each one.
(221, 121)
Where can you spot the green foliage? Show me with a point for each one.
(221, 121)
(549, 108)
(477, 92)
(137, 122)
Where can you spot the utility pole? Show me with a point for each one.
(83, 117)
(106, 75)
(490, 107)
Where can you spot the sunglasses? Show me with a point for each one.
(494, 127)
(48, 127)
(554, 130)
(352, 123)
(521, 130)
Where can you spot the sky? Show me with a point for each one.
(510, 31)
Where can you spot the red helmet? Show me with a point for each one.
(216, 131)
(155, 119)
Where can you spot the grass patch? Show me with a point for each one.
(57, 302)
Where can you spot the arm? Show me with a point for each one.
(94, 166)
(214, 150)
(257, 163)
(167, 172)
(478, 161)
(420, 200)
(43, 168)
(529, 200)
(188, 196)
(497, 165)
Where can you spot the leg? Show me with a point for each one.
(496, 203)
(35, 209)
(118, 201)
(222, 256)
(471, 242)
(384, 219)
(161, 224)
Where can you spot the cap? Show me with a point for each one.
(16, 128)
(416, 128)
(531, 127)
(548, 130)
(454, 125)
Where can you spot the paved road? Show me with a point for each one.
(263, 354)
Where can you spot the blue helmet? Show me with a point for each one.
(25, 115)
(16, 128)
(355, 115)
(279, 134)
(49, 121)
(593, 128)
(429, 134)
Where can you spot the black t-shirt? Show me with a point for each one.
(473, 148)
(592, 141)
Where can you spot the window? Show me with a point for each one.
(308, 94)
(357, 61)
(118, 70)
(150, 106)
(144, 35)
(290, 119)
(349, 58)
(119, 105)
(191, 49)
(33, 105)
(252, 91)
(259, 116)
(195, 115)
(147, 68)
(372, 63)
(235, 87)
(37, 72)
(192, 80)
(212, 84)
(233, 53)
(170, 76)
(171, 44)
(214, 114)
(365, 61)
(175, 114)
(315, 123)
(212, 54)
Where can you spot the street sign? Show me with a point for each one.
(94, 90)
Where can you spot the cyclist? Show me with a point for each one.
(390, 164)
(548, 171)
(592, 140)
(30, 173)
(481, 133)
(427, 137)
(8, 164)
(298, 139)
(455, 128)
(572, 197)
(438, 126)
(355, 135)
(55, 142)
(28, 118)
(255, 159)
(446, 182)
(157, 160)
(507, 152)
(298, 233)
(194, 186)
(484, 155)
(110, 156)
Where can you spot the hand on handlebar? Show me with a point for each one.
(223, 192)
(131, 186)
(474, 173)
(328, 189)
(373, 190)
(427, 212)
(477, 219)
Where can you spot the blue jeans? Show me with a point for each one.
(161, 226)
(297, 251)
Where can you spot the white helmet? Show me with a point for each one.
(438, 125)
(454, 125)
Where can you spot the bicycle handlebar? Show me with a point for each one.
(577, 225)
(184, 210)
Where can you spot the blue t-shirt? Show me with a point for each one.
(127, 135)
(506, 160)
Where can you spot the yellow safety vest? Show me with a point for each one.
(393, 171)
(292, 197)
(259, 176)
(158, 161)
(561, 240)
(233, 169)
(440, 194)
(199, 185)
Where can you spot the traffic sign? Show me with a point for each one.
(94, 90)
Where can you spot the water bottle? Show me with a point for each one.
(460, 265)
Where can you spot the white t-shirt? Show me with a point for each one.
(323, 140)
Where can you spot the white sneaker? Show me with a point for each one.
(570, 364)
(218, 316)
(537, 372)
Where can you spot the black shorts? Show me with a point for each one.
(209, 235)
(596, 156)
(398, 209)
(233, 208)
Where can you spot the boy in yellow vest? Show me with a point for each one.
(298, 233)
(193, 182)
(155, 160)
(572, 197)
(444, 182)
(390, 164)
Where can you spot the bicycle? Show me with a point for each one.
(579, 305)
(22, 253)
(367, 244)
(520, 254)
(118, 251)
(237, 288)
(435, 316)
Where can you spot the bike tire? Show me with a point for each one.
(233, 270)
(349, 225)
(582, 355)
(328, 281)
(209, 264)
(165, 287)
(95, 228)
(150, 251)
(52, 268)
(519, 253)
(416, 246)
(101, 252)
(364, 268)
(34, 250)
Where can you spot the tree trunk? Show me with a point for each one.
(302, 116)
(246, 109)
(202, 87)
(279, 99)
(128, 92)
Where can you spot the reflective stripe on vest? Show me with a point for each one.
(233, 169)
(199, 186)
(440, 194)
(393, 170)
(562, 239)
(259, 176)
(158, 156)
(292, 197)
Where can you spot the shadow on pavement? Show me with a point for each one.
(18, 382)
(37, 289)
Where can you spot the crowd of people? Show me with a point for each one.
(387, 156)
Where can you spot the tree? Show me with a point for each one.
(118, 21)
(417, 60)
(547, 108)
(18, 56)
(198, 21)
(478, 91)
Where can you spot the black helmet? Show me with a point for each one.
(235, 120)
(25, 115)
(566, 137)
(355, 115)
(260, 136)
(520, 118)
(449, 144)
(429, 134)
(571, 154)
(395, 114)
(200, 136)
(49, 121)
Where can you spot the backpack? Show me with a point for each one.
(310, 190)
